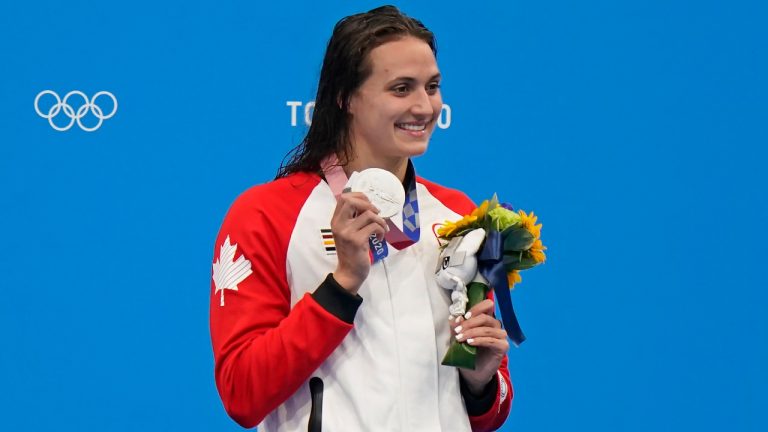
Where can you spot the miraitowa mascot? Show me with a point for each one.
(457, 272)
(458, 267)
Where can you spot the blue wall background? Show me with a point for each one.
(636, 130)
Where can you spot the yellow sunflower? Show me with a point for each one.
(482, 210)
(449, 228)
(537, 251)
(529, 223)
(513, 277)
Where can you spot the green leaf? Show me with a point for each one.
(512, 260)
(517, 239)
(518, 261)
(487, 223)
(527, 262)
(494, 202)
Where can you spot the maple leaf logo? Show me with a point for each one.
(227, 272)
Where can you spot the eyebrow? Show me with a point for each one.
(407, 79)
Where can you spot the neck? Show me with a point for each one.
(397, 166)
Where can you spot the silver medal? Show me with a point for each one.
(381, 187)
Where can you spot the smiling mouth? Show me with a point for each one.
(413, 127)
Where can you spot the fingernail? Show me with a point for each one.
(458, 329)
(470, 341)
(468, 315)
(460, 337)
(458, 318)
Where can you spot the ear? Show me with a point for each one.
(345, 104)
(350, 104)
(472, 241)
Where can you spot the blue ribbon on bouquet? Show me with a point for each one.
(491, 266)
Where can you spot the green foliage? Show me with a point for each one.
(517, 239)
(518, 261)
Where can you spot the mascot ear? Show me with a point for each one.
(451, 255)
(472, 241)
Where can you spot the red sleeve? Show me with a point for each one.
(492, 419)
(263, 349)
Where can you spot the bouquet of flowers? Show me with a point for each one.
(487, 249)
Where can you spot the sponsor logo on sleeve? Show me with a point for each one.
(503, 390)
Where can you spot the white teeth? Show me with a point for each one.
(411, 127)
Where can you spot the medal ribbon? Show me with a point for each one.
(399, 239)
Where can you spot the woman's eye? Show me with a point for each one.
(432, 88)
(400, 90)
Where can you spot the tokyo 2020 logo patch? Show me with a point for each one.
(62, 106)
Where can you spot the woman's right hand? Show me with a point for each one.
(354, 221)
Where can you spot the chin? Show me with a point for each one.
(417, 150)
(413, 147)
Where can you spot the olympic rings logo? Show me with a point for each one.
(62, 105)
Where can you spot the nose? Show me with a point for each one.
(422, 104)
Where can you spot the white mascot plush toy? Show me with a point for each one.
(458, 266)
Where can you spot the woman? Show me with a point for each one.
(307, 331)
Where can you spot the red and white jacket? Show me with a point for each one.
(278, 321)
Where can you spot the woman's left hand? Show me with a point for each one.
(483, 331)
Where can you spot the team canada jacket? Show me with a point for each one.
(294, 352)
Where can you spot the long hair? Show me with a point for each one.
(345, 67)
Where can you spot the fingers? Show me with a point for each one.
(478, 326)
(460, 324)
(484, 307)
(478, 332)
(363, 220)
(497, 345)
(353, 223)
(350, 204)
(354, 213)
(486, 337)
(359, 229)
(478, 317)
(481, 328)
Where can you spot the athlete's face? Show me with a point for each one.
(394, 111)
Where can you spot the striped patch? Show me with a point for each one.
(328, 243)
